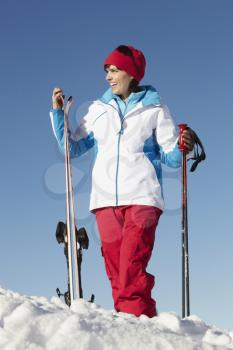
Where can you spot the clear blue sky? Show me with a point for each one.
(189, 51)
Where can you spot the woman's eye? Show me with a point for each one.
(111, 71)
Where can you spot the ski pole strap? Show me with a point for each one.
(199, 152)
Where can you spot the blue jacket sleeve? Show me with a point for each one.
(77, 147)
(172, 158)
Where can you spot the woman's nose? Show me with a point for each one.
(108, 76)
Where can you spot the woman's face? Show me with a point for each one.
(119, 81)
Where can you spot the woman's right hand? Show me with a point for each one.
(58, 98)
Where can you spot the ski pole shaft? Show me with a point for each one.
(185, 251)
(186, 237)
(185, 254)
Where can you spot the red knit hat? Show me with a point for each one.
(129, 59)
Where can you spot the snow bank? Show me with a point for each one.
(34, 323)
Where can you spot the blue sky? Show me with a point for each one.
(189, 51)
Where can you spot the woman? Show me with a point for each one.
(133, 133)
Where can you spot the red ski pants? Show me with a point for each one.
(127, 235)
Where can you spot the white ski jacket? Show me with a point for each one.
(130, 146)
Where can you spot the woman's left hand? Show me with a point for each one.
(188, 139)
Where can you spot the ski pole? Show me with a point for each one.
(197, 157)
(184, 220)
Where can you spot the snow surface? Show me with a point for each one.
(34, 323)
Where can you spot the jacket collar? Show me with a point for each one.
(147, 95)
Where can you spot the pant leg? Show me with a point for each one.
(127, 235)
(110, 222)
(135, 284)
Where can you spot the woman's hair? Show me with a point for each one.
(125, 50)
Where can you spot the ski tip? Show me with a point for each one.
(70, 98)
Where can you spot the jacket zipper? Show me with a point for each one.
(118, 160)
(118, 150)
(122, 117)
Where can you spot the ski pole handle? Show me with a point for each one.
(182, 147)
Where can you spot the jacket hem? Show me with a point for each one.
(130, 202)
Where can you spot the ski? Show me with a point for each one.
(74, 286)
(74, 240)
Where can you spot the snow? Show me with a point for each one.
(34, 323)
